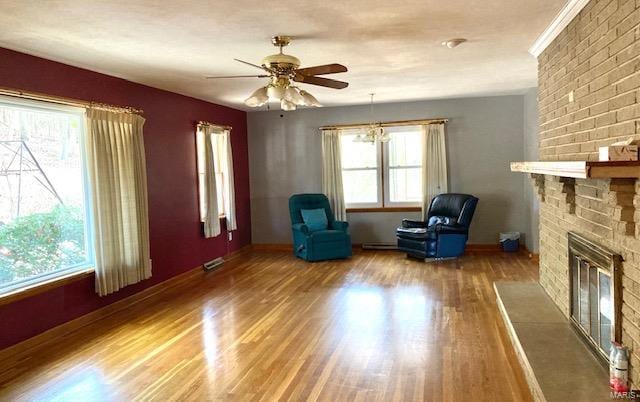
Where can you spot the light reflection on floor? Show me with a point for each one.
(85, 384)
(378, 320)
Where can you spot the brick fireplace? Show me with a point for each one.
(589, 96)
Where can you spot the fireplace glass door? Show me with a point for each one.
(592, 295)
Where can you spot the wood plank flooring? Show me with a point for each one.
(270, 327)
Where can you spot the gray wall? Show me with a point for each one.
(483, 136)
(531, 154)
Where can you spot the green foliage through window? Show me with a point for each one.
(41, 242)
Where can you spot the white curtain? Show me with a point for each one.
(118, 177)
(209, 204)
(434, 164)
(332, 173)
(218, 157)
(222, 149)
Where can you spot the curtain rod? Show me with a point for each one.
(387, 124)
(67, 101)
(207, 123)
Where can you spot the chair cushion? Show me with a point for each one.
(444, 220)
(416, 233)
(315, 219)
(327, 236)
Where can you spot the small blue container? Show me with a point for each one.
(511, 245)
(510, 241)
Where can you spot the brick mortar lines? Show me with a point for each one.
(567, 87)
(586, 49)
(554, 269)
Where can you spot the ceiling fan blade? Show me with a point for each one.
(323, 82)
(321, 70)
(252, 65)
(236, 76)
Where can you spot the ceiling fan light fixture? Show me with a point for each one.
(275, 93)
(286, 105)
(283, 70)
(309, 100)
(258, 98)
(292, 95)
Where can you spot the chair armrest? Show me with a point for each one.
(340, 225)
(300, 227)
(455, 228)
(408, 223)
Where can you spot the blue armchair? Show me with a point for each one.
(445, 232)
(332, 243)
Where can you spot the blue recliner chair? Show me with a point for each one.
(327, 244)
(445, 232)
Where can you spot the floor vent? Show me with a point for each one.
(379, 246)
(213, 264)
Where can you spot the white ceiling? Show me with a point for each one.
(391, 47)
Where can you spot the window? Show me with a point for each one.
(403, 166)
(220, 155)
(361, 177)
(45, 225)
(383, 174)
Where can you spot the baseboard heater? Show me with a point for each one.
(379, 246)
(213, 264)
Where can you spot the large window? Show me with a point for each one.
(383, 174)
(44, 209)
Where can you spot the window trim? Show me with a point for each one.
(42, 282)
(45, 285)
(384, 209)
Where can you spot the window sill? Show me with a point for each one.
(40, 287)
(384, 209)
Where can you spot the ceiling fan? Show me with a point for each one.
(283, 71)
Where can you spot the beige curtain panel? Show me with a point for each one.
(218, 158)
(221, 141)
(118, 177)
(434, 164)
(332, 173)
(210, 214)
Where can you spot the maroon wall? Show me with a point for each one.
(177, 244)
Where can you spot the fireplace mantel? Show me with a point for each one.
(580, 169)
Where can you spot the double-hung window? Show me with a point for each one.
(361, 172)
(45, 217)
(403, 166)
(220, 167)
(385, 174)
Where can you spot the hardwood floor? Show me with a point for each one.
(268, 326)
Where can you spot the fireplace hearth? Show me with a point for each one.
(595, 293)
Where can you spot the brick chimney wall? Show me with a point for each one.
(589, 96)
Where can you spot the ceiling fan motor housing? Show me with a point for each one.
(280, 81)
(282, 63)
